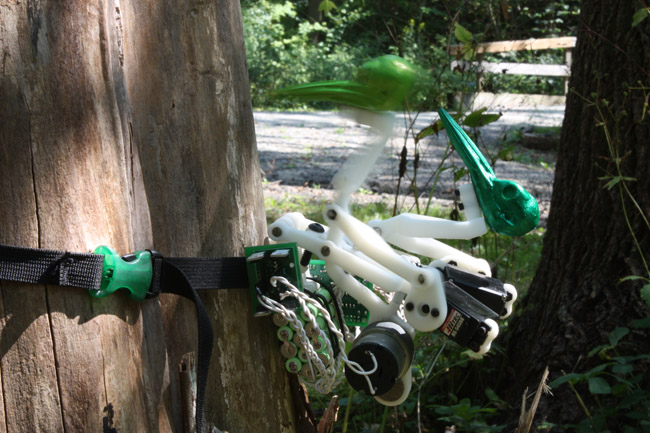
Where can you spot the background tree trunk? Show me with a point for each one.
(87, 89)
(577, 298)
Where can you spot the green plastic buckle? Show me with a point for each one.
(132, 272)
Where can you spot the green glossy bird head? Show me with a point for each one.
(381, 84)
(507, 207)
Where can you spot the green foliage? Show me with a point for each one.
(281, 51)
(639, 16)
(286, 46)
(615, 387)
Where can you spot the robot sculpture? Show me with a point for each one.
(362, 282)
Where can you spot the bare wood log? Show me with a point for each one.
(527, 415)
(515, 68)
(521, 45)
(193, 103)
(187, 380)
(326, 423)
(68, 362)
(87, 87)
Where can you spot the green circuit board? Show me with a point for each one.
(266, 261)
(354, 313)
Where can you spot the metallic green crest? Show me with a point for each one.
(508, 208)
(381, 84)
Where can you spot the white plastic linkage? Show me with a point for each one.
(350, 249)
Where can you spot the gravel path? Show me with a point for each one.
(301, 152)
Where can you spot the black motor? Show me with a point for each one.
(393, 350)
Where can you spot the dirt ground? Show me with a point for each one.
(301, 152)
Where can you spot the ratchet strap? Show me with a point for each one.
(182, 276)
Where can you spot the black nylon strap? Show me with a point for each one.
(178, 282)
(211, 274)
(182, 276)
(61, 268)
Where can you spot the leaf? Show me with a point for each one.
(434, 128)
(597, 349)
(571, 377)
(477, 118)
(623, 369)
(460, 173)
(462, 34)
(326, 6)
(616, 335)
(645, 294)
(598, 385)
(632, 278)
(641, 323)
(491, 395)
(639, 16)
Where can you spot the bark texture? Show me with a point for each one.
(88, 89)
(576, 298)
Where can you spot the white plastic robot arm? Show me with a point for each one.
(416, 233)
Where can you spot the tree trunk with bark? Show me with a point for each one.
(129, 124)
(577, 296)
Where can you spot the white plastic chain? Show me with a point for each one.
(329, 375)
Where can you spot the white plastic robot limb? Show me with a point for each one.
(355, 170)
(426, 292)
(442, 252)
(422, 226)
(510, 289)
(416, 233)
(491, 335)
(285, 230)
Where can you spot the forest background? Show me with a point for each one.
(292, 42)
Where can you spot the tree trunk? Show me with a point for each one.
(88, 89)
(577, 298)
(194, 127)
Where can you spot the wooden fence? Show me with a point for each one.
(554, 70)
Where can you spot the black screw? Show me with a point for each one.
(461, 206)
(277, 232)
(425, 308)
(325, 251)
(331, 214)
(435, 312)
(409, 306)
(315, 227)
(421, 279)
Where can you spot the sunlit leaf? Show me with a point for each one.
(326, 6)
(478, 118)
(462, 34)
(429, 130)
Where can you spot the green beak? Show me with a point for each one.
(381, 84)
(507, 207)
